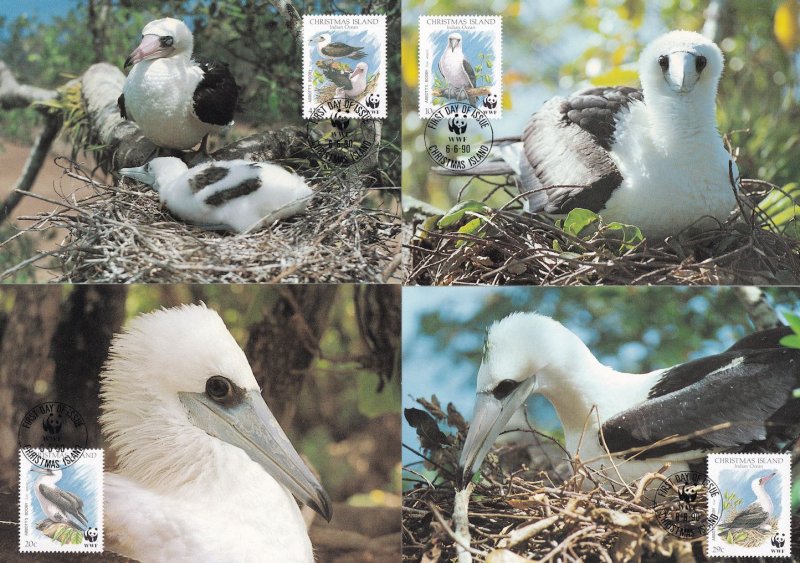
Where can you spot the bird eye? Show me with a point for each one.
(166, 41)
(504, 388)
(219, 388)
(663, 61)
(700, 63)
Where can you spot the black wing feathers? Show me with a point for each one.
(217, 93)
(595, 110)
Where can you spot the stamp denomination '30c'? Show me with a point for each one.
(344, 58)
(61, 509)
(460, 60)
(756, 505)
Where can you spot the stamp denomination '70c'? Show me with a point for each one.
(460, 60)
(756, 505)
(61, 509)
(344, 58)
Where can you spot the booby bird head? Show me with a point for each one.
(361, 68)
(679, 62)
(180, 401)
(454, 41)
(759, 482)
(157, 172)
(323, 39)
(162, 38)
(523, 354)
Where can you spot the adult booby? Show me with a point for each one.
(757, 513)
(358, 83)
(205, 472)
(327, 49)
(176, 101)
(749, 385)
(236, 195)
(651, 157)
(57, 504)
(456, 70)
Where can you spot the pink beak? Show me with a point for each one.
(149, 48)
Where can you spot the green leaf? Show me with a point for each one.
(456, 213)
(791, 341)
(470, 228)
(578, 219)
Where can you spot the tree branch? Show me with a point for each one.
(294, 23)
(14, 95)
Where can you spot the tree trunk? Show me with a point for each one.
(283, 345)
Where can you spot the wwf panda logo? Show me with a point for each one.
(457, 124)
(490, 101)
(373, 100)
(778, 540)
(340, 121)
(91, 535)
(52, 423)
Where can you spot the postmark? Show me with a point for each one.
(61, 510)
(340, 132)
(687, 504)
(52, 435)
(458, 136)
(756, 505)
(344, 57)
(460, 60)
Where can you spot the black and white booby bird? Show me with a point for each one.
(329, 49)
(58, 505)
(233, 195)
(205, 472)
(176, 101)
(457, 70)
(651, 157)
(358, 83)
(755, 515)
(750, 386)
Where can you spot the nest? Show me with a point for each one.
(529, 510)
(120, 234)
(515, 248)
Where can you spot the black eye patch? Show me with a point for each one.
(663, 62)
(504, 389)
(700, 63)
(166, 41)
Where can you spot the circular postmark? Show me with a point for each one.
(458, 136)
(52, 435)
(688, 504)
(341, 131)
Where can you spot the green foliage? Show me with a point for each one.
(780, 211)
(792, 340)
(583, 223)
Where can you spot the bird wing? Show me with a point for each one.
(121, 105)
(567, 162)
(470, 72)
(749, 390)
(338, 49)
(216, 95)
(338, 77)
(66, 502)
(750, 517)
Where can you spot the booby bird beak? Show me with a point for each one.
(682, 74)
(250, 425)
(139, 173)
(151, 47)
(490, 416)
(453, 43)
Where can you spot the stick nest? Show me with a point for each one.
(512, 247)
(120, 234)
(531, 510)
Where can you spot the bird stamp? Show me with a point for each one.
(460, 60)
(755, 518)
(61, 509)
(344, 59)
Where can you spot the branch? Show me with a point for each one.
(14, 95)
(294, 22)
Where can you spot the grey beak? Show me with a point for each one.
(251, 426)
(140, 174)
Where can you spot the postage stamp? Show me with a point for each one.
(344, 58)
(61, 509)
(756, 505)
(460, 60)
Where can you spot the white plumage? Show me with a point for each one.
(205, 472)
(175, 100)
(456, 69)
(358, 83)
(236, 195)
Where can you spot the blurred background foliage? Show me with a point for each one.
(47, 49)
(634, 330)
(558, 47)
(343, 425)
